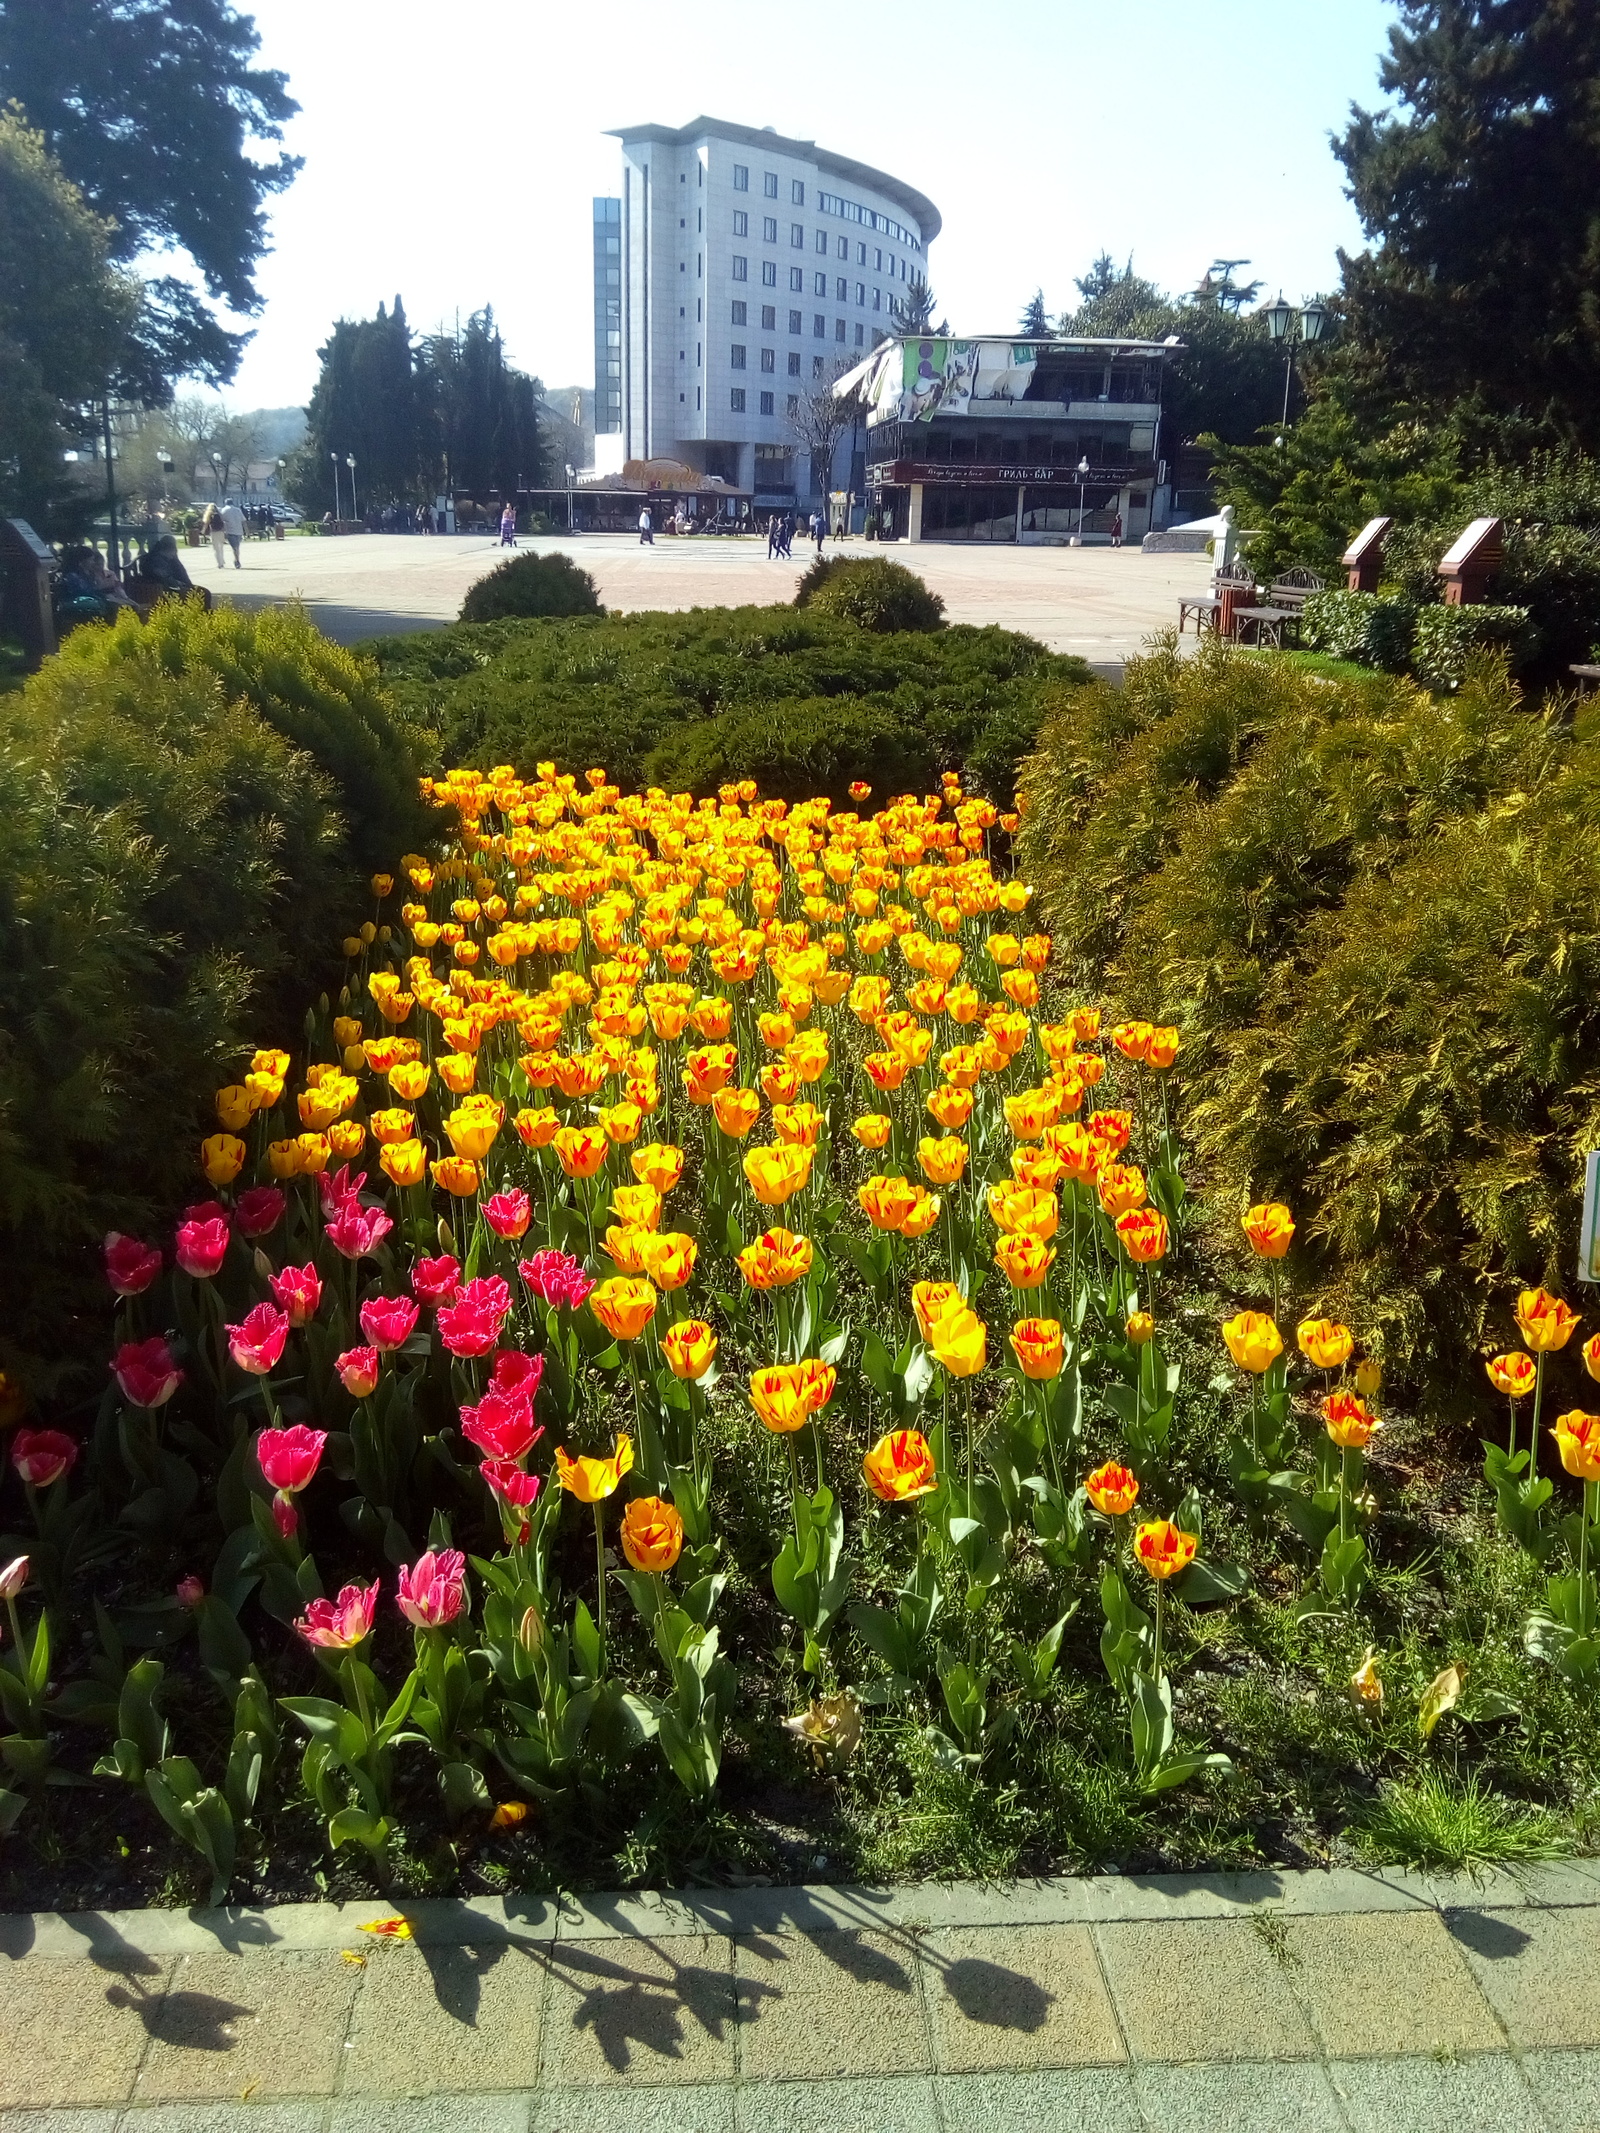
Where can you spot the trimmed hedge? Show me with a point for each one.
(532, 585)
(1376, 915)
(705, 698)
(871, 591)
(1447, 638)
(1374, 628)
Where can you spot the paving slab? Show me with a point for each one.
(432, 2114)
(829, 2005)
(1485, 2093)
(889, 2106)
(647, 2110)
(1539, 1970)
(640, 2012)
(1251, 2096)
(1197, 1989)
(1018, 1996)
(1072, 2100)
(432, 2018)
(1567, 2086)
(75, 2033)
(249, 2028)
(67, 2121)
(1387, 1984)
(308, 2117)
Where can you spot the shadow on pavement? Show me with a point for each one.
(345, 625)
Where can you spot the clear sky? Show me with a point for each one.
(451, 151)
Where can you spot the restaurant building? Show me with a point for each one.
(1013, 440)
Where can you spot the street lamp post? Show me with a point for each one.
(569, 497)
(1083, 476)
(216, 469)
(336, 513)
(164, 462)
(1290, 329)
(350, 462)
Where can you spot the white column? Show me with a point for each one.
(914, 513)
(1020, 493)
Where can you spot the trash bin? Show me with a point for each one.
(1232, 597)
(27, 567)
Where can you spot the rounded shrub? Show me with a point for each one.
(871, 592)
(795, 749)
(532, 585)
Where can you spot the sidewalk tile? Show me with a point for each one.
(904, 2106)
(1484, 2093)
(1250, 2096)
(68, 2121)
(428, 2114)
(446, 2019)
(1567, 2085)
(1201, 1990)
(1539, 1969)
(670, 2110)
(630, 2011)
(1031, 1996)
(249, 2028)
(1077, 2100)
(820, 2006)
(1387, 1984)
(226, 2118)
(75, 2032)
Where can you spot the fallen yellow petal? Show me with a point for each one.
(356, 1962)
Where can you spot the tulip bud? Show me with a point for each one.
(530, 1631)
(13, 1577)
(284, 1515)
(446, 1235)
(191, 1591)
(263, 1265)
(1369, 1376)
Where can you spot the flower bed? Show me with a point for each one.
(696, 1279)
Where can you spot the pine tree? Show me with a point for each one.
(1035, 320)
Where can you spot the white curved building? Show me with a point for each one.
(753, 268)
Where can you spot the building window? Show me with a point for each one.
(861, 336)
(797, 279)
(797, 191)
(769, 229)
(797, 322)
(741, 267)
(844, 248)
(793, 405)
(877, 299)
(741, 177)
(794, 365)
(816, 361)
(699, 266)
(769, 359)
(819, 325)
(769, 184)
(766, 403)
(841, 290)
(769, 273)
(699, 355)
(741, 311)
(838, 329)
(699, 221)
(861, 294)
(819, 285)
(822, 241)
(736, 399)
(741, 223)
(797, 236)
(697, 399)
(769, 318)
(736, 356)
(861, 255)
(877, 259)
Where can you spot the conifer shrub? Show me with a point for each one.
(1376, 915)
(532, 585)
(871, 592)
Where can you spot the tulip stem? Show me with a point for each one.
(794, 1481)
(600, 1581)
(1538, 1402)
(1344, 1492)
(1160, 1590)
(1511, 1435)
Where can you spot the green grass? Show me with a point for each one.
(1432, 1823)
(1322, 663)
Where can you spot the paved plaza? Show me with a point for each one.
(1334, 2002)
(1100, 603)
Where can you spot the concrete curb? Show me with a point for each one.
(1104, 1899)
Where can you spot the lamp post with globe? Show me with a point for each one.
(1291, 330)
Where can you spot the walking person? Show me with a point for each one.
(508, 527)
(233, 531)
(647, 537)
(819, 527)
(1116, 531)
(774, 535)
(216, 533)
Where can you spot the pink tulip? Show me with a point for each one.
(131, 1266)
(190, 1592)
(288, 1458)
(258, 1210)
(202, 1245)
(388, 1321)
(501, 1427)
(433, 1589)
(514, 1373)
(340, 1190)
(257, 1341)
(357, 1231)
(436, 1281)
(358, 1372)
(508, 1213)
(340, 1625)
(510, 1482)
(42, 1456)
(299, 1292)
(13, 1577)
(556, 1278)
(145, 1372)
(471, 1325)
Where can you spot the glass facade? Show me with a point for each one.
(607, 316)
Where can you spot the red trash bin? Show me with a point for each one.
(1232, 598)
